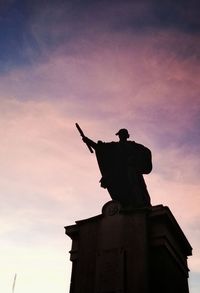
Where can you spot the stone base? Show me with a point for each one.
(129, 251)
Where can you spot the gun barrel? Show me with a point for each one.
(80, 130)
(83, 135)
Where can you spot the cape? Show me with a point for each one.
(121, 165)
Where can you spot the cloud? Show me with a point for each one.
(147, 82)
(40, 27)
(129, 77)
(118, 16)
(125, 85)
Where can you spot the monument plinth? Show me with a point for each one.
(129, 251)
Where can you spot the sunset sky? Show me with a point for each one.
(107, 65)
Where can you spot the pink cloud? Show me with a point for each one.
(46, 169)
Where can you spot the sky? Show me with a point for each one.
(107, 65)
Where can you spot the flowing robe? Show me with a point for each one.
(122, 165)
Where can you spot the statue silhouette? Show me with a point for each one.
(122, 165)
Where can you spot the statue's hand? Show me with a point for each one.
(89, 142)
(85, 139)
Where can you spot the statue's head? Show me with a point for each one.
(123, 134)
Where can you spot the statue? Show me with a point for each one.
(122, 165)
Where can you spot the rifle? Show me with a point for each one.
(83, 135)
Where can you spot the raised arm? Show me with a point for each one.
(84, 137)
(89, 142)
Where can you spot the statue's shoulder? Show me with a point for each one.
(133, 145)
(141, 147)
(100, 142)
(105, 146)
(132, 142)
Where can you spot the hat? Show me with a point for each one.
(123, 131)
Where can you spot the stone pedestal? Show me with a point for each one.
(129, 251)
